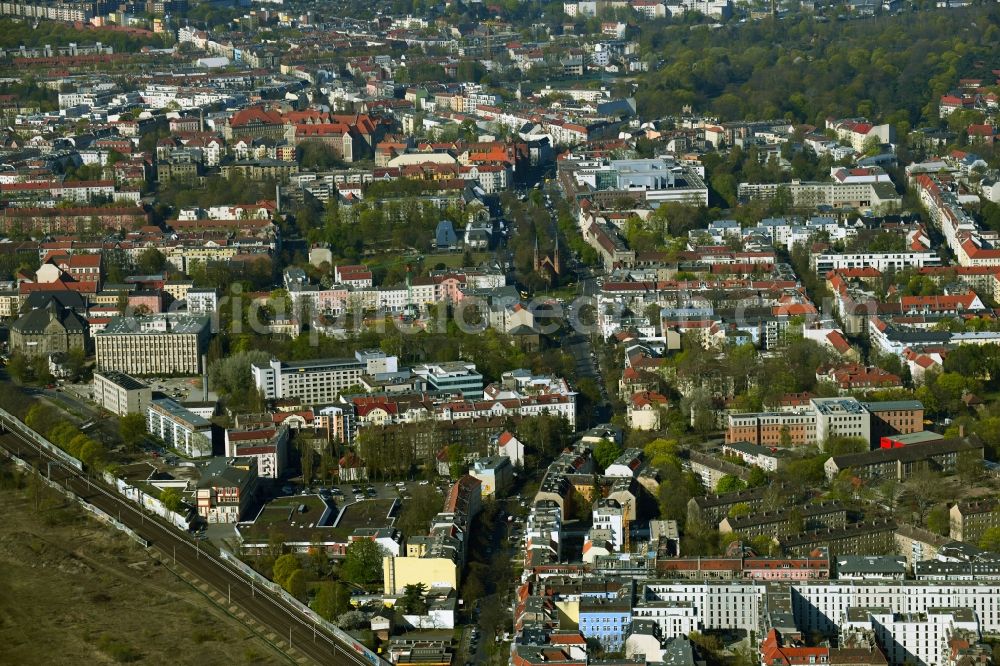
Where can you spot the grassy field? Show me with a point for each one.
(455, 259)
(73, 591)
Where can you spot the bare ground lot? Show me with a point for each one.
(73, 591)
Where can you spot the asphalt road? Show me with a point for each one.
(581, 346)
(289, 626)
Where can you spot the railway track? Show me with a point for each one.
(303, 640)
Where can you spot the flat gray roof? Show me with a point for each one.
(175, 325)
(120, 379)
(177, 411)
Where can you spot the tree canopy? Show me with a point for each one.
(820, 68)
(362, 563)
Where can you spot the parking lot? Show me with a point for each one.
(179, 388)
(363, 489)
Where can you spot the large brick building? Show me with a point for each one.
(824, 418)
(772, 428)
(897, 417)
(30, 221)
(48, 330)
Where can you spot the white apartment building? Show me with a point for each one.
(554, 405)
(202, 301)
(609, 515)
(321, 381)
(717, 605)
(179, 428)
(496, 474)
(543, 530)
(840, 417)
(920, 638)
(121, 394)
(675, 618)
(909, 611)
(455, 376)
(881, 261)
(811, 194)
(267, 445)
(822, 606)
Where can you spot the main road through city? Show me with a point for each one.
(288, 624)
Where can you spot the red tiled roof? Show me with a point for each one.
(255, 115)
(250, 435)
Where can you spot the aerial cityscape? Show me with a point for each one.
(594, 332)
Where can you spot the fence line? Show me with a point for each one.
(98, 513)
(15, 423)
(10, 421)
(313, 616)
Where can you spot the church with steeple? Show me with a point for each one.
(549, 265)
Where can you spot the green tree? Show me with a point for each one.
(662, 453)
(362, 563)
(92, 454)
(739, 510)
(757, 477)
(456, 460)
(39, 417)
(969, 469)
(40, 370)
(605, 453)
(307, 461)
(329, 600)
(413, 601)
(151, 262)
(472, 586)
(132, 430)
(62, 433)
(838, 446)
(991, 540)
(171, 498)
(939, 520)
(75, 445)
(316, 155)
(803, 473)
(284, 566)
(76, 363)
(890, 491)
(729, 484)
(20, 369)
(295, 584)
(796, 520)
(417, 512)
(763, 544)
(872, 146)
